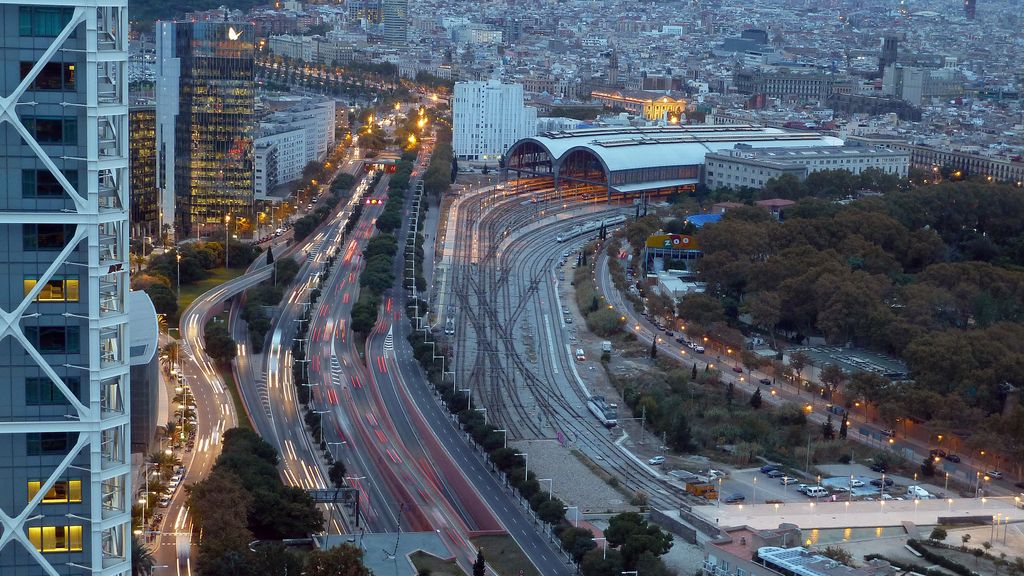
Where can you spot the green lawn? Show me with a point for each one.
(505, 556)
(218, 276)
(236, 397)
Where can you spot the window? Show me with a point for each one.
(52, 130)
(53, 76)
(53, 339)
(49, 443)
(46, 236)
(56, 538)
(63, 491)
(57, 289)
(43, 392)
(43, 184)
(46, 21)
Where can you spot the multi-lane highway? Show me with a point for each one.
(215, 413)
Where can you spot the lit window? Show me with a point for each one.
(56, 538)
(63, 491)
(57, 289)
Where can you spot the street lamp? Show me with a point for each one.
(227, 223)
(576, 516)
(484, 410)
(551, 485)
(526, 465)
(504, 436)
(604, 547)
(177, 258)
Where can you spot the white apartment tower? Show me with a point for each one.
(65, 494)
(488, 118)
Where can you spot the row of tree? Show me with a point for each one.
(242, 500)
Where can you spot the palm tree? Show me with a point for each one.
(142, 558)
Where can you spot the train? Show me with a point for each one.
(588, 227)
(605, 411)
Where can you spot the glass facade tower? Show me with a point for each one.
(65, 499)
(205, 122)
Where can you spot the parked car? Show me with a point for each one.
(816, 492)
(734, 498)
(877, 482)
(877, 467)
(768, 468)
(787, 480)
(656, 461)
(889, 433)
(738, 369)
(994, 474)
(698, 349)
(952, 457)
(775, 473)
(802, 487)
(855, 483)
(765, 381)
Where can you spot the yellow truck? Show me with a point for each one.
(702, 489)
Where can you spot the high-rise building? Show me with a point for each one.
(396, 21)
(969, 7)
(488, 117)
(205, 122)
(145, 201)
(890, 51)
(64, 348)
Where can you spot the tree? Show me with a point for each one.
(479, 567)
(142, 558)
(679, 435)
(832, 376)
(755, 400)
(337, 473)
(274, 558)
(654, 348)
(344, 560)
(598, 563)
(965, 539)
(938, 534)
(843, 427)
(838, 554)
(693, 372)
(828, 430)
(928, 467)
(219, 343)
(798, 361)
(633, 535)
(577, 542)
(702, 308)
(730, 393)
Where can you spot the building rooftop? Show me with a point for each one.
(629, 148)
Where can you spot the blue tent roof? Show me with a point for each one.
(699, 220)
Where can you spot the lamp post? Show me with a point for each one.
(484, 410)
(526, 465)
(604, 547)
(227, 223)
(551, 485)
(504, 436)
(177, 258)
(576, 516)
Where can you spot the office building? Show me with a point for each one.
(145, 200)
(205, 124)
(918, 85)
(488, 117)
(970, 6)
(395, 15)
(289, 139)
(890, 51)
(64, 353)
(745, 167)
(795, 83)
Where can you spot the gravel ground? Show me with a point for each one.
(574, 483)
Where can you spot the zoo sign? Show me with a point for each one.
(672, 242)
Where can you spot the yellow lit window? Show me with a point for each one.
(56, 290)
(61, 492)
(56, 538)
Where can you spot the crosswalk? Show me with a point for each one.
(335, 370)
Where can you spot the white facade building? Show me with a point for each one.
(64, 361)
(290, 139)
(488, 118)
(753, 167)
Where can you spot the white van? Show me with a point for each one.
(816, 492)
(917, 493)
(580, 356)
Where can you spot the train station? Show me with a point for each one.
(624, 163)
